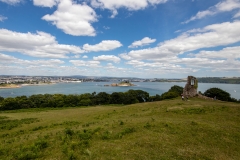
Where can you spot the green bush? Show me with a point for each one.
(219, 93)
(177, 89)
(169, 95)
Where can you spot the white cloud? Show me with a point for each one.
(211, 64)
(128, 4)
(210, 36)
(2, 18)
(105, 45)
(82, 63)
(237, 15)
(223, 6)
(45, 3)
(10, 60)
(113, 58)
(38, 44)
(11, 2)
(73, 19)
(85, 56)
(225, 53)
(145, 41)
(106, 27)
(125, 56)
(6, 58)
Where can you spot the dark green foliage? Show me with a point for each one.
(85, 99)
(155, 98)
(117, 98)
(219, 93)
(1, 99)
(173, 92)
(102, 98)
(135, 96)
(69, 132)
(176, 89)
(219, 80)
(9, 104)
(169, 95)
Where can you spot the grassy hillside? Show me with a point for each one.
(174, 129)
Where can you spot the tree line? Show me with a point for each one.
(87, 99)
(219, 80)
(93, 99)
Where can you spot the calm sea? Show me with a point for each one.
(152, 88)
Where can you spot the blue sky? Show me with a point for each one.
(120, 38)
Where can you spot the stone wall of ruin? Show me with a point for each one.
(190, 88)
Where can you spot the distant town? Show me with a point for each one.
(7, 79)
(73, 79)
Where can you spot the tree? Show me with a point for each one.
(116, 98)
(129, 97)
(169, 95)
(71, 100)
(102, 98)
(85, 99)
(9, 104)
(219, 93)
(140, 95)
(1, 99)
(177, 89)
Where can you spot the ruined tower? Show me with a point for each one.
(190, 88)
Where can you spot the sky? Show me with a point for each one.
(120, 38)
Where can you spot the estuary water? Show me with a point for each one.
(152, 88)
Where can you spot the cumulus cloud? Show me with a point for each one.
(45, 3)
(223, 6)
(105, 45)
(209, 36)
(211, 64)
(113, 58)
(2, 18)
(11, 2)
(125, 56)
(82, 63)
(231, 52)
(7, 59)
(145, 41)
(128, 4)
(38, 44)
(157, 68)
(85, 56)
(73, 19)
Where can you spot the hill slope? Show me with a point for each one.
(173, 129)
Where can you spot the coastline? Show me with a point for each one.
(10, 86)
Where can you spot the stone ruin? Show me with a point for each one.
(190, 88)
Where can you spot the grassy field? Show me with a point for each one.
(174, 129)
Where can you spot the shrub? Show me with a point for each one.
(177, 89)
(169, 95)
(219, 93)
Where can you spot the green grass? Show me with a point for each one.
(172, 129)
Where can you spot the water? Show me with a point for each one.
(152, 88)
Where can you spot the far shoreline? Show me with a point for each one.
(11, 86)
